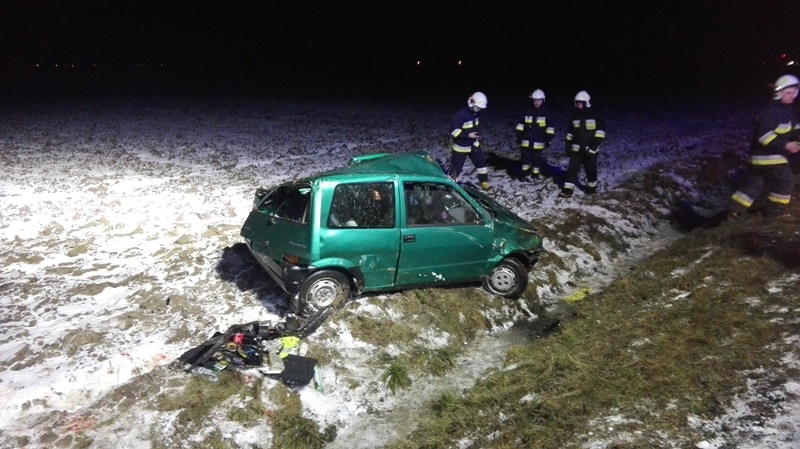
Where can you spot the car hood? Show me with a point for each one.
(501, 213)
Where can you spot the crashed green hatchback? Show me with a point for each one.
(386, 222)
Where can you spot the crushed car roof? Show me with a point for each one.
(419, 163)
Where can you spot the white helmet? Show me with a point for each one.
(537, 94)
(584, 97)
(782, 83)
(478, 99)
(786, 81)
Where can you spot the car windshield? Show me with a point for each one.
(489, 204)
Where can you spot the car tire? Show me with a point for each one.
(323, 289)
(508, 279)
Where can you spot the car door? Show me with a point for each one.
(361, 229)
(444, 237)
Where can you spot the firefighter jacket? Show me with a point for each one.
(463, 123)
(586, 131)
(532, 129)
(776, 126)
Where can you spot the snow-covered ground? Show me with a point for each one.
(119, 227)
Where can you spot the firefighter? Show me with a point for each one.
(585, 133)
(774, 139)
(533, 135)
(466, 140)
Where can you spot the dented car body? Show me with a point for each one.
(386, 222)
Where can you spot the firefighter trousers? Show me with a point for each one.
(774, 181)
(478, 160)
(578, 160)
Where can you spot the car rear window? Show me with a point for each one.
(288, 202)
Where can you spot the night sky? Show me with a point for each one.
(348, 45)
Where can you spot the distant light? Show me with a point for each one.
(419, 63)
(459, 62)
(791, 63)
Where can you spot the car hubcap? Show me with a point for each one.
(323, 293)
(504, 279)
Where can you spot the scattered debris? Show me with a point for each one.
(578, 295)
(274, 349)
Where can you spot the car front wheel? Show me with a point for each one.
(323, 289)
(508, 279)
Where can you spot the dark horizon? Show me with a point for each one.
(661, 48)
(657, 81)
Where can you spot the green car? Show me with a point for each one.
(386, 222)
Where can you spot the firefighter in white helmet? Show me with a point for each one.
(466, 139)
(585, 133)
(534, 134)
(775, 139)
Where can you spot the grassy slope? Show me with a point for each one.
(672, 339)
(675, 338)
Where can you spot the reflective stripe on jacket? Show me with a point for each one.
(532, 129)
(586, 130)
(464, 122)
(776, 126)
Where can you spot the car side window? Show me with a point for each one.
(363, 205)
(436, 204)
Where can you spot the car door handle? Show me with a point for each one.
(409, 238)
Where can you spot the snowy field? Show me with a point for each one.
(120, 240)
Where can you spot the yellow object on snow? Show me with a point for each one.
(578, 295)
(288, 343)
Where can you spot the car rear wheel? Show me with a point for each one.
(508, 279)
(323, 289)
